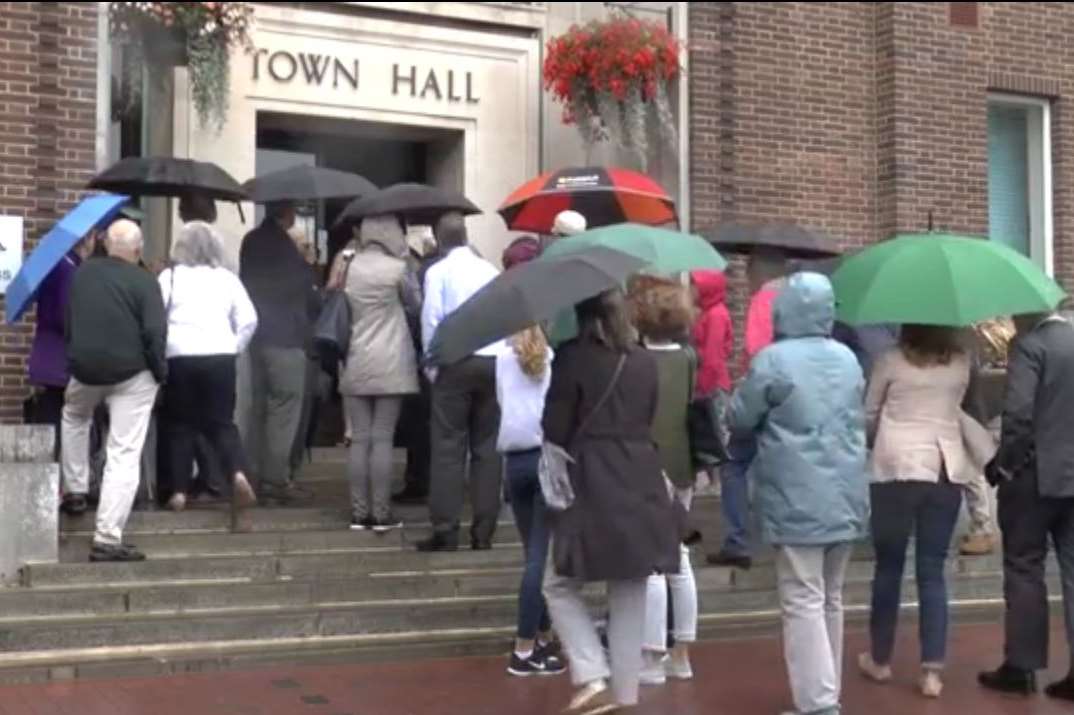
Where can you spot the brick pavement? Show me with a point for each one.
(734, 677)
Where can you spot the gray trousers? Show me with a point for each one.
(1027, 521)
(278, 386)
(578, 632)
(465, 423)
(811, 596)
(369, 464)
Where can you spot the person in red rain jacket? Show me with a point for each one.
(713, 335)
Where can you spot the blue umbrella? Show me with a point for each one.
(71, 229)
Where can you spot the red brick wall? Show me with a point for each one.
(858, 119)
(47, 138)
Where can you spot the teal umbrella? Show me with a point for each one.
(664, 252)
(940, 279)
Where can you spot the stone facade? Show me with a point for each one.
(48, 100)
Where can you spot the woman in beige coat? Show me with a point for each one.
(381, 366)
(919, 466)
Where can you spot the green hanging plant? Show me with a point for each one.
(200, 35)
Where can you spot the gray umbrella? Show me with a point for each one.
(419, 204)
(307, 183)
(527, 295)
(791, 239)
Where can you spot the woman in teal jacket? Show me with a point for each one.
(803, 398)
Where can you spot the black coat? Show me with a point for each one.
(1038, 409)
(622, 524)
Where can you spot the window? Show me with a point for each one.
(1020, 176)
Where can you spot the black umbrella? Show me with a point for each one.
(419, 204)
(307, 183)
(168, 176)
(793, 240)
(527, 295)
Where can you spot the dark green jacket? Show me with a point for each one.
(115, 326)
(675, 371)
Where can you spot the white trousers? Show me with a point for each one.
(576, 628)
(683, 605)
(130, 405)
(811, 596)
(683, 596)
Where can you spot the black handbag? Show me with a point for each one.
(332, 331)
(707, 446)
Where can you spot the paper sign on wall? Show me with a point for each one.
(11, 241)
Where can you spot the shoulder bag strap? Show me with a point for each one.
(603, 398)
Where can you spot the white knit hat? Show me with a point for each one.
(569, 223)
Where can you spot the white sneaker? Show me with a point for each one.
(592, 699)
(678, 669)
(178, 502)
(653, 671)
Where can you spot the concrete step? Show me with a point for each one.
(720, 589)
(346, 608)
(187, 657)
(76, 547)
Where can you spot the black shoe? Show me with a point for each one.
(439, 542)
(103, 553)
(536, 664)
(481, 545)
(275, 494)
(1009, 680)
(725, 558)
(74, 504)
(383, 526)
(363, 524)
(1061, 689)
(551, 648)
(409, 497)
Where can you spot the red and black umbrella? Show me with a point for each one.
(605, 196)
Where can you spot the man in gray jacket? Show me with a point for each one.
(1034, 469)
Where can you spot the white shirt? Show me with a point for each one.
(449, 283)
(210, 312)
(521, 401)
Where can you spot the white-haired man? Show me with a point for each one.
(115, 340)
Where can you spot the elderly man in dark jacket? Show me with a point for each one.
(115, 342)
(1034, 469)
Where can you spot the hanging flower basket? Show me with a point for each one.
(612, 78)
(200, 35)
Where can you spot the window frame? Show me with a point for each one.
(1039, 171)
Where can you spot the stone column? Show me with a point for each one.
(158, 139)
(29, 499)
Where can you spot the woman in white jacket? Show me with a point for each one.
(210, 321)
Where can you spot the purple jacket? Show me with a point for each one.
(48, 358)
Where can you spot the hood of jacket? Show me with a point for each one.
(805, 307)
(711, 287)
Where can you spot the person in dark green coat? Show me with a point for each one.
(663, 315)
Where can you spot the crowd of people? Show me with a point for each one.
(831, 435)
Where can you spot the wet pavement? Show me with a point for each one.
(733, 677)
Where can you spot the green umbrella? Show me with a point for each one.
(665, 252)
(940, 279)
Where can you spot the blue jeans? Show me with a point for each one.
(527, 503)
(929, 511)
(735, 494)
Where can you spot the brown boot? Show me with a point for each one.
(977, 545)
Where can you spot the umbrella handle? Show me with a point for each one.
(242, 217)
